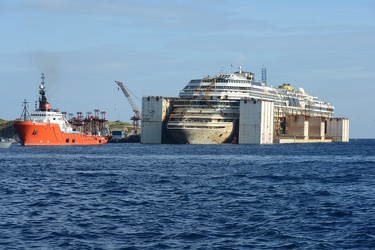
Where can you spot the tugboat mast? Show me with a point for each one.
(25, 116)
(43, 104)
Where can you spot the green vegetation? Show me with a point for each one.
(6, 129)
(119, 125)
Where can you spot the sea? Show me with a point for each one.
(161, 196)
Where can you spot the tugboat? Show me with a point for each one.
(46, 127)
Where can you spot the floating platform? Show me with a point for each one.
(257, 124)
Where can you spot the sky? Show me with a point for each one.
(156, 47)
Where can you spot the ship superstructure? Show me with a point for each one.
(297, 101)
(207, 110)
(47, 126)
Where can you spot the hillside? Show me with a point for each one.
(6, 129)
(119, 125)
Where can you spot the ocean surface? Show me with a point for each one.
(135, 196)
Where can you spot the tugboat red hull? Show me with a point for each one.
(49, 134)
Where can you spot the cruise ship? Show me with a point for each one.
(207, 110)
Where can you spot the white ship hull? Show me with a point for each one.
(204, 134)
(5, 144)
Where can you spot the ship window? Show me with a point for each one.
(67, 140)
(74, 140)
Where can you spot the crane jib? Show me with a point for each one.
(137, 114)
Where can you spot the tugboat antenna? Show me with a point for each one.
(42, 79)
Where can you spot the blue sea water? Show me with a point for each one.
(135, 196)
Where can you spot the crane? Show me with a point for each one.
(137, 114)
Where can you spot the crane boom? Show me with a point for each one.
(137, 114)
(130, 100)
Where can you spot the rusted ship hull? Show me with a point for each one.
(49, 134)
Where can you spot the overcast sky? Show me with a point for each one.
(156, 47)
